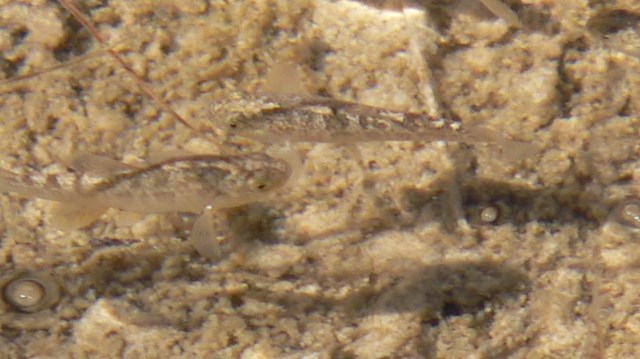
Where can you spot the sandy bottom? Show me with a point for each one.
(380, 250)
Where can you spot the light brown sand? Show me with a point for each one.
(381, 255)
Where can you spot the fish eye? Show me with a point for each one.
(261, 183)
(233, 122)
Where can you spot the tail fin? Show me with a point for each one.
(11, 183)
(76, 213)
(512, 150)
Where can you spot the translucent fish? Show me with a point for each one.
(295, 119)
(182, 184)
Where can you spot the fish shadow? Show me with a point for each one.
(451, 199)
(435, 291)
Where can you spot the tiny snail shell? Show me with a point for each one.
(484, 214)
(627, 212)
(29, 292)
(489, 214)
(24, 293)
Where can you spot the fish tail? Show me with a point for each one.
(12, 183)
(512, 150)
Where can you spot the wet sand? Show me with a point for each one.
(395, 249)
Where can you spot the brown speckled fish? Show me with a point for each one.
(320, 119)
(182, 184)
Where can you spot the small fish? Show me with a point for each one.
(193, 184)
(318, 119)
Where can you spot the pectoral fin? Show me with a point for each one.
(75, 215)
(209, 234)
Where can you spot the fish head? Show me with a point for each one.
(267, 174)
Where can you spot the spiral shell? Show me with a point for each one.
(28, 291)
(627, 212)
(489, 214)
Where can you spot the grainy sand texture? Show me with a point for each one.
(378, 250)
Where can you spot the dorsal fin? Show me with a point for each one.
(85, 162)
(284, 79)
(162, 156)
